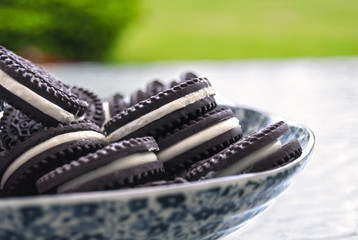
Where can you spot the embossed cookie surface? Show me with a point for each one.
(36, 92)
(16, 127)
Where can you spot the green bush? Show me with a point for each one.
(81, 29)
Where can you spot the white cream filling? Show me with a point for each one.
(52, 142)
(247, 161)
(107, 112)
(159, 113)
(197, 139)
(36, 100)
(132, 160)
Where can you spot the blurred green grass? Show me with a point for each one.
(237, 29)
(63, 30)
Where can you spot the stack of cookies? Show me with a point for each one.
(60, 139)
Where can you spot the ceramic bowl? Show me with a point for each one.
(207, 209)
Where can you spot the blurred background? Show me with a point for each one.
(312, 78)
(155, 30)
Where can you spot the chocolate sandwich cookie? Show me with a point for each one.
(45, 151)
(16, 127)
(157, 114)
(198, 139)
(35, 92)
(244, 154)
(94, 112)
(119, 165)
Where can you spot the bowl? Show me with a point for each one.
(205, 209)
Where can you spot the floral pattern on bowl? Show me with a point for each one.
(207, 209)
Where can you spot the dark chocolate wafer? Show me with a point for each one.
(35, 92)
(119, 165)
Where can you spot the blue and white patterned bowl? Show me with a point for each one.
(200, 210)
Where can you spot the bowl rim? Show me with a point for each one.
(126, 194)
